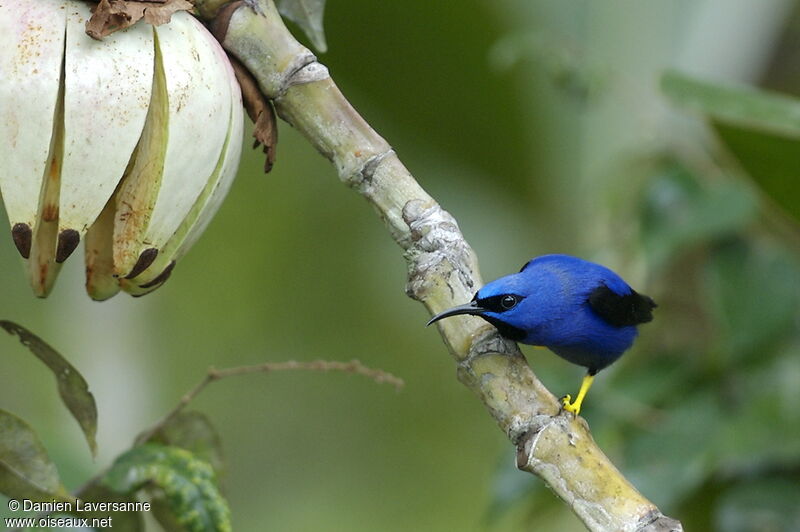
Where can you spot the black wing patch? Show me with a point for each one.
(621, 311)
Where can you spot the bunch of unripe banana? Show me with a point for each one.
(128, 144)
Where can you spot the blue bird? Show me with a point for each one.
(582, 311)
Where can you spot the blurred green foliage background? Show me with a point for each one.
(541, 127)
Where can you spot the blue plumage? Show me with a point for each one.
(555, 311)
(580, 310)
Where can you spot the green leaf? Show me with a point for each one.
(648, 383)
(755, 295)
(122, 521)
(761, 425)
(26, 471)
(680, 212)
(768, 504)
(673, 458)
(745, 106)
(771, 160)
(308, 15)
(187, 484)
(195, 433)
(761, 129)
(163, 513)
(72, 386)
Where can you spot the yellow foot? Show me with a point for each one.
(569, 406)
(575, 407)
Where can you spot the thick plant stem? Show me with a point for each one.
(442, 272)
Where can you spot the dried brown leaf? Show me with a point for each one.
(114, 15)
(260, 111)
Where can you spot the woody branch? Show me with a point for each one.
(442, 270)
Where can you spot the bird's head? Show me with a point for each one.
(502, 303)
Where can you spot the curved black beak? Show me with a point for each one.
(469, 308)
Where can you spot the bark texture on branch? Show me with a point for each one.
(442, 272)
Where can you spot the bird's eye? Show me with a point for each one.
(508, 302)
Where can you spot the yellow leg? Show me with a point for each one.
(575, 407)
